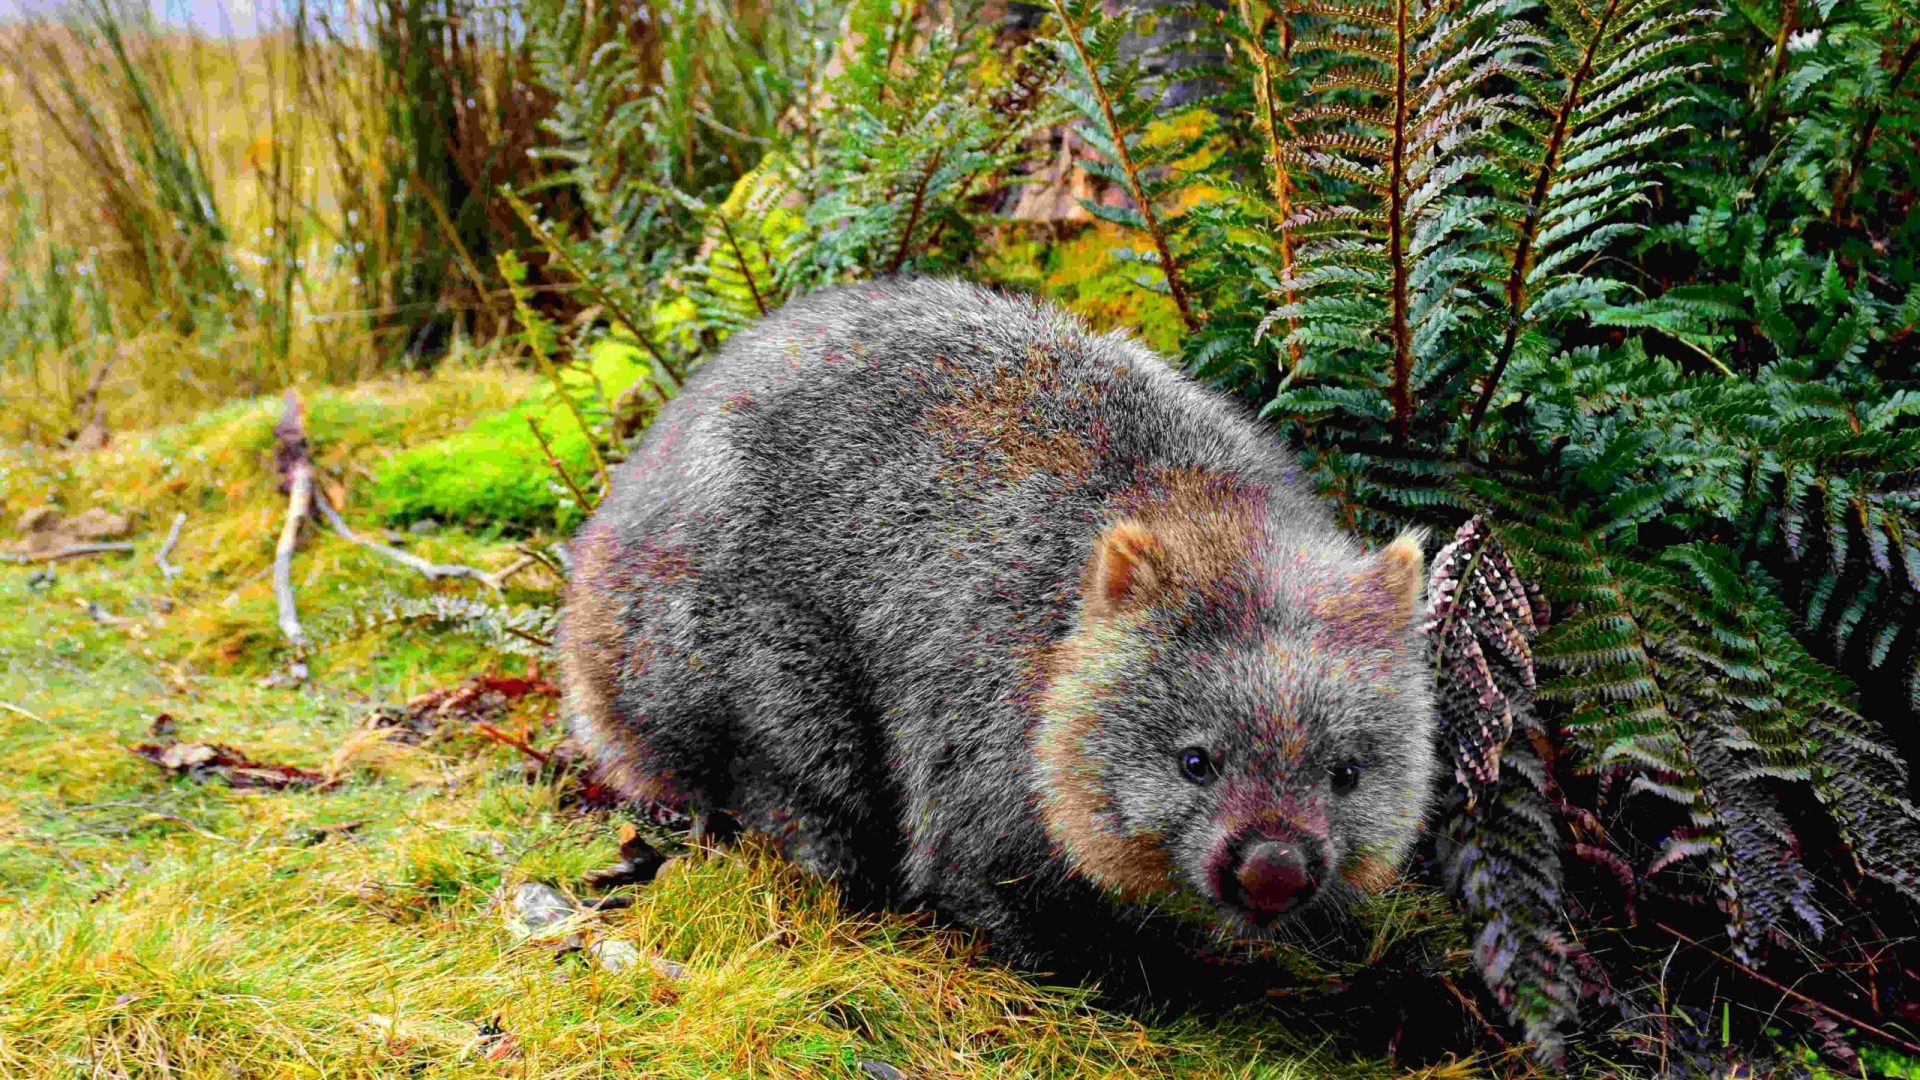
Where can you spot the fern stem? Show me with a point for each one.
(1154, 229)
(1789, 16)
(1281, 182)
(662, 367)
(913, 213)
(1859, 160)
(1401, 389)
(1536, 208)
(553, 463)
(560, 387)
(746, 272)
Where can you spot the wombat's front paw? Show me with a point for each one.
(713, 829)
(638, 863)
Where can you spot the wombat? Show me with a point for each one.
(973, 609)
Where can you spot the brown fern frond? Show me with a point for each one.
(1358, 114)
(1374, 46)
(1377, 15)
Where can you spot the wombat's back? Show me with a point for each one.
(908, 434)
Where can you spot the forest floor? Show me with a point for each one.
(350, 914)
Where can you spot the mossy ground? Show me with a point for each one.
(169, 927)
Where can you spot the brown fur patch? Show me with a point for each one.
(1073, 806)
(993, 428)
(1184, 529)
(1370, 873)
(1373, 609)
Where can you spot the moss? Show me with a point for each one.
(493, 475)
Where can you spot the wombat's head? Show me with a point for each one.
(1240, 717)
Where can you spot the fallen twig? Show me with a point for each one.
(1845, 1018)
(167, 569)
(12, 708)
(296, 468)
(514, 741)
(71, 551)
(431, 570)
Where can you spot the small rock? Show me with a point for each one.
(97, 524)
(880, 1070)
(423, 527)
(39, 519)
(537, 907)
(667, 969)
(614, 954)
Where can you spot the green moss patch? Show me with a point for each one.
(493, 475)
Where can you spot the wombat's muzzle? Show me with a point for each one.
(1269, 877)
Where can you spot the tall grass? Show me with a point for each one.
(314, 201)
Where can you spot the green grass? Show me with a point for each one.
(168, 927)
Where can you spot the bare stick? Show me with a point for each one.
(296, 469)
(167, 569)
(432, 571)
(299, 501)
(71, 551)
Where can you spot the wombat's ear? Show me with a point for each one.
(1127, 571)
(1401, 569)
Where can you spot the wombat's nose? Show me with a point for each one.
(1274, 876)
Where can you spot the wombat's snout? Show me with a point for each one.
(1270, 877)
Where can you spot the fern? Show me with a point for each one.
(518, 631)
(1500, 847)
(1600, 92)
(1105, 90)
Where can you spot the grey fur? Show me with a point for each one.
(826, 590)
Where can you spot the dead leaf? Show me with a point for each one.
(201, 760)
(480, 699)
(333, 491)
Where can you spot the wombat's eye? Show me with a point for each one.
(1197, 764)
(1345, 775)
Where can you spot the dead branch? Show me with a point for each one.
(167, 569)
(71, 551)
(432, 571)
(296, 470)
